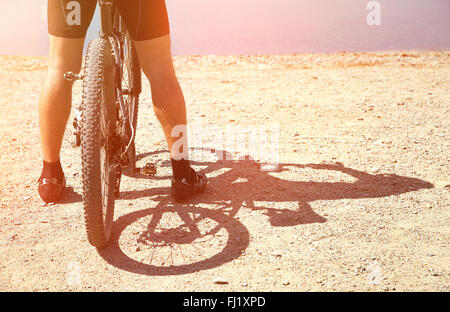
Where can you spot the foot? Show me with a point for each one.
(183, 188)
(51, 189)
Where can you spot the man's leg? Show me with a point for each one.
(56, 95)
(155, 59)
(168, 102)
(54, 110)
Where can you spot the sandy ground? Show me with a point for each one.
(360, 200)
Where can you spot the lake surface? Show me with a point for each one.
(261, 26)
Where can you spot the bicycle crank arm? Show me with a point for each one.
(149, 169)
(70, 76)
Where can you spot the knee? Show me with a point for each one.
(63, 64)
(65, 54)
(155, 59)
(160, 75)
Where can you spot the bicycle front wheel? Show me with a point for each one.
(98, 136)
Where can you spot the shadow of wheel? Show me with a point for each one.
(175, 240)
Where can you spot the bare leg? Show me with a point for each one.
(168, 102)
(56, 95)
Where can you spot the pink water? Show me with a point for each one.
(262, 26)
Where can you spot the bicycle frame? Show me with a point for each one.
(107, 31)
(106, 11)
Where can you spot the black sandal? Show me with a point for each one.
(51, 189)
(184, 188)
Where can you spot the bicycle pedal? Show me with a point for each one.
(118, 180)
(70, 76)
(149, 169)
(74, 144)
(124, 162)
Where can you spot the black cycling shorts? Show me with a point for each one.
(145, 19)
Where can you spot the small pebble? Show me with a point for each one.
(378, 142)
(220, 281)
(276, 254)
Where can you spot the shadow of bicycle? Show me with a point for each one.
(175, 238)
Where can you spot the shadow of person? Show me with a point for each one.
(304, 215)
(283, 195)
(245, 185)
(365, 186)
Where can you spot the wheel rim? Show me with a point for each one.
(129, 101)
(105, 163)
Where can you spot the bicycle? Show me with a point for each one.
(106, 122)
